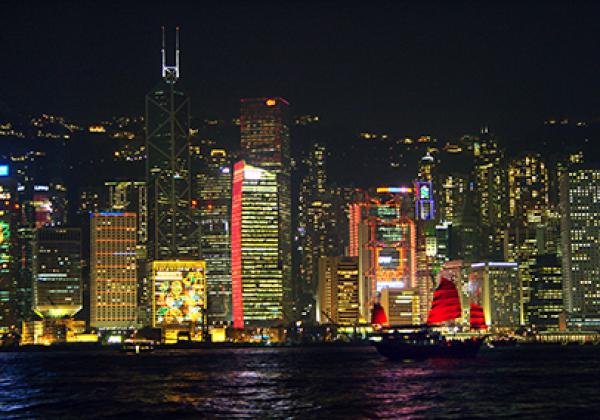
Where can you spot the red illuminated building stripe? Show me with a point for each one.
(236, 246)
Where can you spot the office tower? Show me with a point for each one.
(456, 210)
(265, 142)
(132, 197)
(57, 282)
(546, 293)
(171, 230)
(401, 306)
(214, 206)
(256, 270)
(9, 208)
(496, 288)
(320, 223)
(491, 194)
(113, 270)
(179, 297)
(580, 236)
(383, 237)
(528, 200)
(337, 291)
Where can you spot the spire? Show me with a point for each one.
(170, 73)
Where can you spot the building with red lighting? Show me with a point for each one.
(383, 237)
(265, 144)
(257, 275)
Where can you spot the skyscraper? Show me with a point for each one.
(214, 206)
(132, 197)
(57, 282)
(337, 292)
(171, 230)
(528, 201)
(383, 237)
(256, 269)
(319, 223)
(580, 233)
(265, 142)
(8, 228)
(113, 270)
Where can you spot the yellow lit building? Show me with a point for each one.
(401, 306)
(337, 294)
(113, 272)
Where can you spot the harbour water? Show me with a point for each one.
(348, 382)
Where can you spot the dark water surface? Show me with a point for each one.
(299, 383)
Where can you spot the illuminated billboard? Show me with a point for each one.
(3, 170)
(179, 292)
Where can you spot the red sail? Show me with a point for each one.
(445, 305)
(378, 317)
(477, 317)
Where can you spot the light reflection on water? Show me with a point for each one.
(297, 383)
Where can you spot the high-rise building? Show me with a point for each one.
(495, 286)
(320, 223)
(528, 200)
(492, 194)
(57, 282)
(9, 208)
(132, 197)
(383, 237)
(337, 292)
(546, 293)
(113, 271)
(265, 143)
(214, 206)
(172, 232)
(256, 270)
(580, 237)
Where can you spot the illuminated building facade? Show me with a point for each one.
(546, 294)
(113, 271)
(256, 270)
(383, 237)
(321, 223)
(492, 194)
(57, 282)
(337, 293)
(527, 187)
(265, 143)
(132, 197)
(172, 232)
(9, 208)
(425, 209)
(580, 234)
(179, 290)
(214, 205)
(495, 286)
(401, 306)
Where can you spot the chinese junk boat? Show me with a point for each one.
(421, 342)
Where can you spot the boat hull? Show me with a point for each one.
(453, 349)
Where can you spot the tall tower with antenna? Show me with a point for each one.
(172, 232)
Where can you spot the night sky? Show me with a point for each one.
(439, 69)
